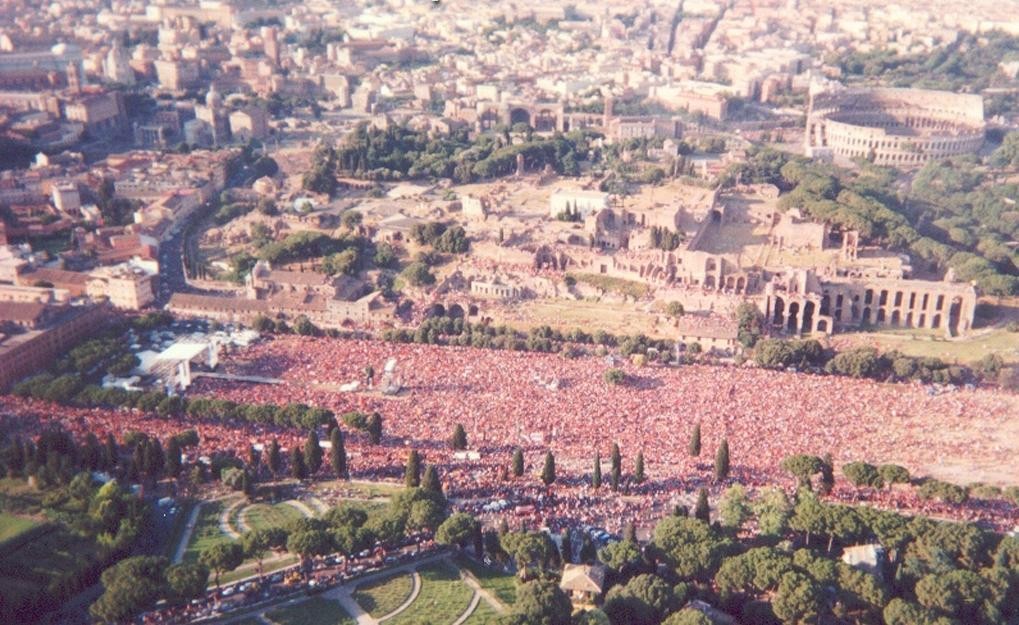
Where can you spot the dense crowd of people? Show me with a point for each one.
(505, 400)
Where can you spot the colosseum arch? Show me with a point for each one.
(894, 127)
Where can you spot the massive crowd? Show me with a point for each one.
(504, 400)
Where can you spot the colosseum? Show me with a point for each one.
(895, 127)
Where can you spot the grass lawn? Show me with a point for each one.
(482, 615)
(355, 489)
(18, 497)
(314, 611)
(919, 342)
(207, 532)
(381, 597)
(501, 584)
(37, 562)
(630, 288)
(12, 526)
(443, 598)
(565, 315)
(260, 515)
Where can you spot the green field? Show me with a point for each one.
(30, 568)
(314, 611)
(356, 489)
(482, 615)
(499, 583)
(12, 526)
(260, 515)
(207, 532)
(913, 342)
(382, 597)
(443, 598)
(630, 288)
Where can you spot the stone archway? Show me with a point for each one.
(489, 119)
(545, 121)
(519, 115)
(808, 316)
(955, 315)
(792, 324)
(778, 312)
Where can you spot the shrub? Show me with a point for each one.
(615, 377)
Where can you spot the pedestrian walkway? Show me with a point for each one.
(475, 600)
(344, 594)
(182, 546)
(414, 592)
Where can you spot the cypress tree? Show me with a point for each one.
(111, 453)
(702, 511)
(254, 458)
(679, 510)
(596, 474)
(157, 459)
(518, 462)
(313, 453)
(15, 458)
(479, 541)
(298, 469)
(248, 486)
(566, 547)
(274, 460)
(459, 439)
(548, 472)
(173, 457)
(375, 428)
(617, 458)
(638, 469)
(722, 461)
(695, 441)
(412, 472)
(338, 455)
(92, 452)
(431, 480)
